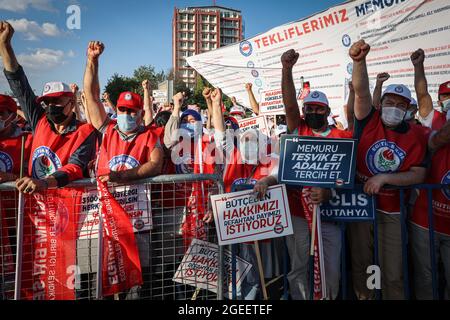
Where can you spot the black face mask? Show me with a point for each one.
(56, 114)
(315, 121)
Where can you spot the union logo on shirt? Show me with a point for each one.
(384, 157)
(446, 180)
(123, 162)
(6, 163)
(45, 162)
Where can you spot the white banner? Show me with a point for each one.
(200, 267)
(393, 28)
(135, 199)
(241, 217)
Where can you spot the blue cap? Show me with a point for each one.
(193, 113)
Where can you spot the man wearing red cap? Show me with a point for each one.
(11, 141)
(428, 116)
(316, 110)
(62, 146)
(390, 152)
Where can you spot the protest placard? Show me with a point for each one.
(258, 123)
(348, 206)
(314, 161)
(200, 267)
(241, 217)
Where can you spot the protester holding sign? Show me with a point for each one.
(129, 150)
(316, 111)
(428, 116)
(390, 152)
(438, 173)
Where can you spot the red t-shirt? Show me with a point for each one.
(119, 155)
(10, 152)
(381, 150)
(439, 119)
(294, 195)
(439, 173)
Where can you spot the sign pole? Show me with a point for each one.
(261, 271)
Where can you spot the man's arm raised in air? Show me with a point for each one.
(425, 103)
(288, 60)
(360, 79)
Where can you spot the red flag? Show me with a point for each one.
(121, 267)
(308, 208)
(49, 245)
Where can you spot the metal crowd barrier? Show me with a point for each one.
(161, 248)
(344, 283)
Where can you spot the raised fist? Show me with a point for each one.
(178, 98)
(289, 58)
(95, 49)
(146, 84)
(359, 50)
(105, 96)
(233, 101)
(216, 96)
(74, 88)
(207, 93)
(382, 77)
(248, 86)
(418, 57)
(6, 32)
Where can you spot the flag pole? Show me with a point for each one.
(311, 251)
(261, 271)
(19, 236)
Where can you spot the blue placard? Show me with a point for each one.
(317, 162)
(348, 206)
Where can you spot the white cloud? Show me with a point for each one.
(43, 59)
(32, 30)
(22, 5)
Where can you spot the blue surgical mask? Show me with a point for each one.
(126, 122)
(189, 127)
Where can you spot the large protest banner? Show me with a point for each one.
(241, 217)
(393, 28)
(348, 206)
(321, 162)
(135, 199)
(200, 267)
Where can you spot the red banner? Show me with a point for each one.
(49, 245)
(121, 267)
(308, 208)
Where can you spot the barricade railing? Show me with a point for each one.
(159, 209)
(345, 271)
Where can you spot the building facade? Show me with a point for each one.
(199, 29)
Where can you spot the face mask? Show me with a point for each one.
(56, 114)
(126, 122)
(249, 152)
(446, 105)
(315, 121)
(392, 116)
(409, 115)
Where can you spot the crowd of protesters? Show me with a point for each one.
(403, 141)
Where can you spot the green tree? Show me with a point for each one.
(118, 84)
(148, 73)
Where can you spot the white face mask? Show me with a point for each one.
(249, 152)
(392, 116)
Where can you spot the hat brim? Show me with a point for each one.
(317, 103)
(55, 95)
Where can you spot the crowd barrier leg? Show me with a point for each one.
(376, 258)
(19, 246)
(285, 270)
(434, 282)
(233, 271)
(98, 289)
(404, 234)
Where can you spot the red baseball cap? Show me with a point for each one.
(130, 100)
(7, 103)
(444, 88)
